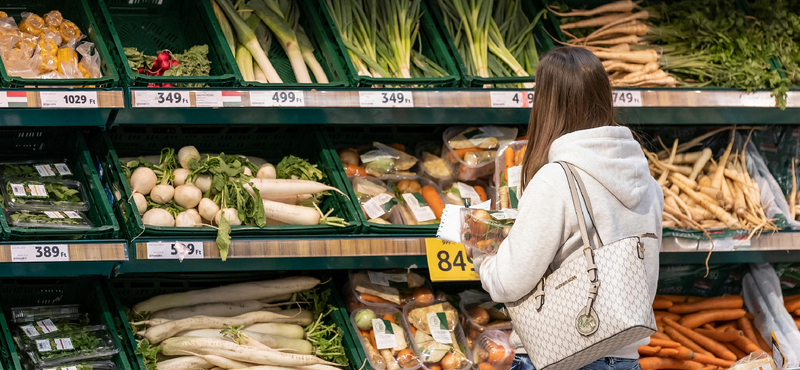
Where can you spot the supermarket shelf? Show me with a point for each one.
(46, 107)
(61, 257)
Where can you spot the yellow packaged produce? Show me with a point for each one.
(32, 24)
(53, 19)
(69, 31)
(47, 46)
(66, 56)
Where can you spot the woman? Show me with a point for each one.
(572, 120)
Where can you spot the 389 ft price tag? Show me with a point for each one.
(161, 99)
(386, 99)
(174, 250)
(449, 261)
(512, 99)
(627, 98)
(68, 99)
(283, 98)
(40, 253)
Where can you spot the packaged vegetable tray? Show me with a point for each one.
(385, 338)
(485, 230)
(379, 160)
(89, 343)
(469, 152)
(377, 200)
(475, 193)
(439, 338)
(82, 365)
(492, 348)
(51, 326)
(37, 169)
(508, 174)
(388, 288)
(480, 315)
(49, 219)
(415, 203)
(44, 194)
(20, 315)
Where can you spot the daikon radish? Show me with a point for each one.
(236, 352)
(219, 361)
(158, 333)
(272, 341)
(183, 363)
(282, 187)
(615, 7)
(219, 309)
(308, 367)
(284, 330)
(291, 214)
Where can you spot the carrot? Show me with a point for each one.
(686, 342)
(746, 345)
(711, 360)
(732, 301)
(413, 330)
(661, 304)
(727, 325)
(355, 170)
(747, 329)
(720, 336)
(791, 298)
(662, 314)
(509, 156)
(648, 350)
(706, 342)
(710, 367)
(481, 192)
(660, 335)
(792, 306)
(797, 313)
(667, 352)
(749, 316)
(736, 351)
(372, 338)
(390, 318)
(684, 353)
(673, 298)
(655, 363)
(595, 22)
(697, 319)
(434, 201)
(366, 297)
(462, 152)
(694, 299)
(760, 340)
(654, 342)
(615, 7)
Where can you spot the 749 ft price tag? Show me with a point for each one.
(449, 261)
(627, 98)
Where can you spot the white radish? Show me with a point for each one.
(231, 214)
(162, 194)
(184, 363)
(237, 352)
(207, 208)
(256, 290)
(308, 367)
(196, 215)
(220, 362)
(219, 309)
(180, 176)
(291, 199)
(267, 171)
(285, 330)
(141, 203)
(247, 171)
(188, 196)
(143, 180)
(255, 160)
(269, 188)
(185, 219)
(185, 154)
(156, 334)
(272, 341)
(203, 182)
(158, 217)
(291, 214)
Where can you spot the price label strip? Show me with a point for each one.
(40, 253)
(385, 99)
(627, 98)
(175, 250)
(161, 99)
(68, 99)
(283, 98)
(449, 261)
(512, 99)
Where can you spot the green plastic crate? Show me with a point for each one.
(269, 142)
(155, 25)
(128, 290)
(85, 291)
(79, 12)
(431, 42)
(543, 42)
(326, 51)
(49, 144)
(341, 137)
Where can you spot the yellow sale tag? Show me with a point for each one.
(449, 261)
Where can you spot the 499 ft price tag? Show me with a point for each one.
(449, 261)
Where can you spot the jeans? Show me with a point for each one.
(523, 362)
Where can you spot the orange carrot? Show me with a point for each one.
(372, 338)
(355, 170)
(462, 152)
(366, 297)
(760, 340)
(788, 298)
(706, 342)
(684, 353)
(736, 351)
(733, 301)
(711, 360)
(746, 345)
(390, 318)
(662, 314)
(413, 330)
(749, 316)
(667, 352)
(434, 201)
(747, 329)
(659, 335)
(663, 343)
(673, 298)
(648, 350)
(720, 336)
(710, 367)
(694, 299)
(509, 154)
(709, 326)
(697, 319)
(792, 306)
(481, 192)
(661, 304)
(656, 363)
(686, 342)
(727, 325)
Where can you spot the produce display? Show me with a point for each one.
(384, 339)
(46, 47)
(407, 202)
(695, 333)
(192, 62)
(492, 351)
(391, 288)
(469, 152)
(188, 189)
(277, 323)
(792, 304)
(382, 161)
(438, 336)
(508, 174)
(781, 21)
(255, 25)
(493, 38)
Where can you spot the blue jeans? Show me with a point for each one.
(523, 362)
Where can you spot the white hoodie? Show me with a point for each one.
(626, 200)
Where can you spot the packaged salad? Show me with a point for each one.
(508, 174)
(45, 194)
(36, 169)
(391, 288)
(49, 219)
(467, 194)
(485, 230)
(438, 337)
(35, 313)
(91, 365)
(92, 342)
(421, 201)
(48, 326)
(378, 201)
(380, 160)
(480, 314)
(470, 152)
(492, 351)
(385, 337)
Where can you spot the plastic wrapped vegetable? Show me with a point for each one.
(419, 206)
(390, 288)
(384, 338)
(387, 161)
(53, 19)
(438, 335)
(470, 152)
(492, 350)
(377, 201)
(70, 33)
(32, 24)
(508, 173)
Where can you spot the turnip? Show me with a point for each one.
(183, 363)
(203, 182)
(185, 219)
(196, 215)
(185, 154)
(162, 194)
(156, 334)
(143, 180)
(267, 171)
(188, 196)
(158, 217)
(207, 209)
(231, 214)
(180, 176)
(237, 352)
(141, 203)
(247, 171)
(270, 188)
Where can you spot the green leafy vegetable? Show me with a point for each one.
(41, 218)
(223, 237)
(295, 166)
(56, 192)
(148, 352)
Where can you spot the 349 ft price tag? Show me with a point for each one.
(627, 98)
(283, 98)
(386, 99)
(161, 99)
(68, 99)
(512, 99)
(449, 261)
(40, 253)
(174, 250)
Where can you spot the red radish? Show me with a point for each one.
(174, 63)
(164, 56)
(141, 70)
(164, 65)
(151, 84)
(166, 84)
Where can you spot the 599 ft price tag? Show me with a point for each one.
(174, 250)
(449, 261)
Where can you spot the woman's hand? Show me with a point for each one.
(477, 259)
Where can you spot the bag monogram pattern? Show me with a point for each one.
(554, 328)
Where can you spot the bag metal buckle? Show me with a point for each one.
(538, 295)
(591, 267)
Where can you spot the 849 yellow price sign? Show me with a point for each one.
(449, 261)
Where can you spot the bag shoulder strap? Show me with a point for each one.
(586, 200)
(576, 203)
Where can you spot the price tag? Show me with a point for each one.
(777, 353)
(206, 99)
(384, 334)
(174, 250)
(449, 261)
(512, 99)
(161, 99)
(437, 323)
(47, 326)
(68, 99)
(40, 253)
(44, 170)
(386, 99)
(30, 331)
(283, 98)
(63, 169)
(627, 98)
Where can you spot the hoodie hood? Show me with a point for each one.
(611, 156)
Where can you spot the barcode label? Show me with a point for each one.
(43, 345)
(63, 169)
(30, 331)
(44, 170)
(72, 214)
(18, 190)
(47, 326)
(37, 190)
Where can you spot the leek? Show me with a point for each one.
(224, 26)
(288, 38)
(245, 61)
(248, 39)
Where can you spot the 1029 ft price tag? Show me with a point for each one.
(449, 261)
(68, 99)
(512, 99)
(174, 250)
(40, 253)
(385, 99)
(161, 99)
(283, 98)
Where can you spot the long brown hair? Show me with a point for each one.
(572, 93)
